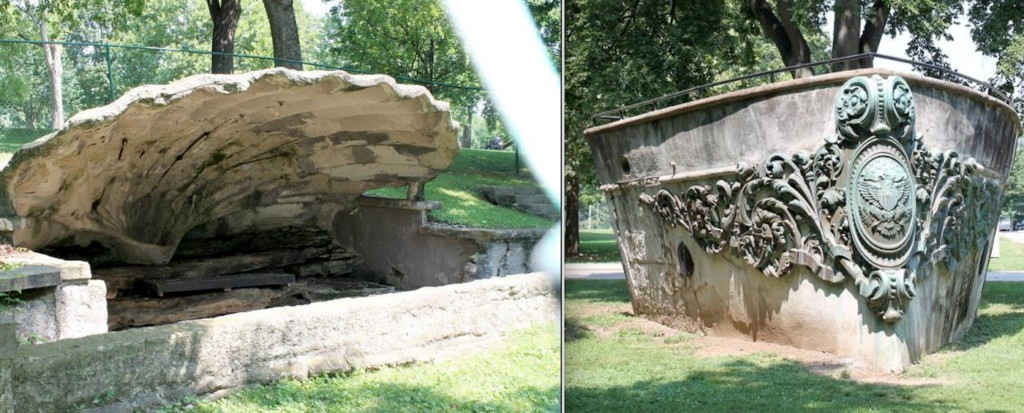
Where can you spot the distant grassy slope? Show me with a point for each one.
(458, 189)
(13, 138)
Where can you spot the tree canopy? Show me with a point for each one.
(625, 51)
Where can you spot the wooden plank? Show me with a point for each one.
(124, 278)
(225, 283)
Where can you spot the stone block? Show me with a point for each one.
(147, 367)
(36, 315)
(29, 277)
(252, 146)
(81, 309)
(8, 337)
(871, 260)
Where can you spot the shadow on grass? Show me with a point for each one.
(597, 291)
(744, 386)
(378, 397)
(575, 330)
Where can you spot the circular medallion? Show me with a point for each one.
(882, 204)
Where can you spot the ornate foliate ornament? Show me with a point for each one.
(873, 205)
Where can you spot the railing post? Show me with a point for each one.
(110, 74)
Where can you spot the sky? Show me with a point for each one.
(318, 7)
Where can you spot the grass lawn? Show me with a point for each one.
(520, 376)
(597, 245)
(457, 188)
(1011, 256)
(613, 366)
(12, 138)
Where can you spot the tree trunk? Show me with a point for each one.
(572, 216)
(846, 34)
(225, 15)
(874, 28)
(783, 32)
(284, 32)
(467, 134)
(55, 65)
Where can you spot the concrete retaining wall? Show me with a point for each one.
(152, 366)
(400, 248)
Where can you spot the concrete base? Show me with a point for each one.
(148, 367)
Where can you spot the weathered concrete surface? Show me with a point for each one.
(531, 200)
(58, 299)
(151, 366)
(233, 152)
(703, 141)
(400, 248)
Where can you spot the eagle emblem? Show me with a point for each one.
(885, 189)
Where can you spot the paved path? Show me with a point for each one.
(613, 271)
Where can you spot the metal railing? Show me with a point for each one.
(621, 112)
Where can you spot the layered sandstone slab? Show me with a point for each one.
(225, 153)
(850, 213)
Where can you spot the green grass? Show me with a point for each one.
(1011, 256)
(520, 376)
(597, 245)
(458, 189)
(13, 138)
(619, 368)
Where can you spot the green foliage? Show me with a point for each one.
(10, 299)
(620, 367)
(458, 189)
(1013, 197)
(998, 31)
(409, 38)
(548, 16)
(520, 376)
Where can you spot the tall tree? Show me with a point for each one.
(285, 33)
(225, 15)
(406, 38)
(858, 26)
(619, 52)
(51, 20)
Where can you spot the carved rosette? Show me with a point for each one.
(873, 205)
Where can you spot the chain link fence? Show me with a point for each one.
(94, 74)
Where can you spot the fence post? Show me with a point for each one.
(110, 74)
(516, 150)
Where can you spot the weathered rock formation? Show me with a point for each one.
(220, 155)
(849, 213)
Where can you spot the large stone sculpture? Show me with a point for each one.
(859, 209)
(223, 154)
(849, 212)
